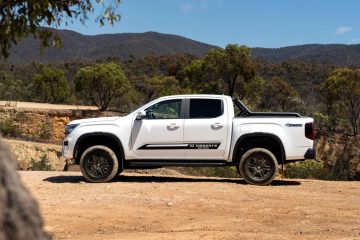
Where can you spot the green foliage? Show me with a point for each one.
(341, 94)
(157, 86)
(7, 126)
(225, 172)
(280, 96)
(308, 169)
(306, 89)
(42, 165)
(252, 91)
(305, 77)
(50, 84)
(321, 120)
(10, 89)
(129, 101)
(23, 17)
(222, 70)
(199, 80)
(46, 129)
(101, 84)
(165, 86)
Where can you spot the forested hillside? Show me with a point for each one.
(122, 46)
(140, 45)
(337, 54)
(136, 68)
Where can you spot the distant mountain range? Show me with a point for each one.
(337, 54)
(123, 45)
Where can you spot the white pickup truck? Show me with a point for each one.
(190, 130)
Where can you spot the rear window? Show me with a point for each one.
(206, 108)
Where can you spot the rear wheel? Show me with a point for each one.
(258, 166)
(99, 164)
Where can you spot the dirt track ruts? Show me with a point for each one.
(180, 207)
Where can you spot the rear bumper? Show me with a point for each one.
(310, 154)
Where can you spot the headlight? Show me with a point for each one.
(69, 128)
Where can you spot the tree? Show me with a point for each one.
(230, 67)
(158, 86)
(20, 18)
(330, 96)
(11, 89)
(199, 80)
(50, 85)
(101, 84)
(279, 95)
(252, 91)
(342, 87)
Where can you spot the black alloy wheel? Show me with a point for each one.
(99, 164)
(258, 166)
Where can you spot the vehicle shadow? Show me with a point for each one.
(163, 179)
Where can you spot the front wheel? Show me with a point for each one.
(258, 166)
(99, 164)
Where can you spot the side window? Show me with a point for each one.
(169, 109)
(206, 108)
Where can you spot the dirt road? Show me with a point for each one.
(180, 207)
(43, 106)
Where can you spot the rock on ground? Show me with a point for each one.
(19, 213)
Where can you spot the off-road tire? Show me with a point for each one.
(258, 166)
(238, 169)
(99, 164)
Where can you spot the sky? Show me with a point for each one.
(255, 23)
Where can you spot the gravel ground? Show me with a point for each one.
(148, 206)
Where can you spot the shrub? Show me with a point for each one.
(50, 85)
(42, 165)
(321, 120)
(8, 127)
(46, 129)
(308, 169)
(21, 118)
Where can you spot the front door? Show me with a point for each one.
(160, 135)
(206, 129)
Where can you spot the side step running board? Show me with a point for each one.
(175, 163)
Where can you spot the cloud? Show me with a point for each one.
(343, 30)
(191, 5)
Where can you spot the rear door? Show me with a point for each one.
(206, 128)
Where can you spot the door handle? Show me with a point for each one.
(172, 126)
(216, 125)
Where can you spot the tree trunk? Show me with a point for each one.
(231, 86)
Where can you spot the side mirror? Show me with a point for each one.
(140, 115)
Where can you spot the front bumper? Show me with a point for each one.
(65, 150)
(310, 154)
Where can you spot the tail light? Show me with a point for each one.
(309, 130)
